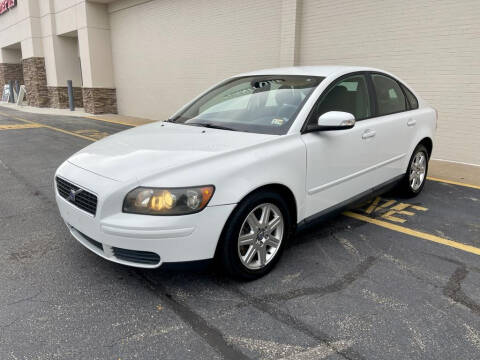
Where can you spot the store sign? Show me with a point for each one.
(6, 5)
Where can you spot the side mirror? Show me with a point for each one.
(334, 120)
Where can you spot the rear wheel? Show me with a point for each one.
(255, 236)
(414, 180)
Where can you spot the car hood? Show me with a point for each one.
(150, 149)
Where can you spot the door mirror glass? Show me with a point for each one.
(336, 120)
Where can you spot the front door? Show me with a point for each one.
(339, 162)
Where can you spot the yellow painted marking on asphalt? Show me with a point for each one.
(390, 208)
(387, 204)
(389, 216)
(109, 121)
(454, 182)
(19, 126)
(400, 207)
(420, 208)
(92, 133)
(415, 233)
(373, 205)
(49, 127)
(404, 212)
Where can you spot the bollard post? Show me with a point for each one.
(71, 102)
(11, 97)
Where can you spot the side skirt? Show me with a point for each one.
(349, 203)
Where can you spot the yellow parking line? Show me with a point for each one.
(415, 233)
(19, 126)
(453, 182)
(109, 121)
(49, 127)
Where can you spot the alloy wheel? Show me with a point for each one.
(260, 236)
(418, 170)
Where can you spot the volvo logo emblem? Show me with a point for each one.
(73, 193)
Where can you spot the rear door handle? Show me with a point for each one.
(411, 122)
(368, 134)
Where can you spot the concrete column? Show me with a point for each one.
(99, 95)
(61, 59)
(289, 32)
(33, 62)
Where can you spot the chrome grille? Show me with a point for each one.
(84, 200)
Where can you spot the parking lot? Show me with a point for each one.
(393, 279)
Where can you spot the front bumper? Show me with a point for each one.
(138, 240)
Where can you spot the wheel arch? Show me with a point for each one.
(282, 190)
(278, 188)
(428, 143)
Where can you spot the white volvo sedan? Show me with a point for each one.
(234, 172)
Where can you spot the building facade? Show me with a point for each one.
(146, 58)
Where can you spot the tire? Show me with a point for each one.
(415, 177)
(258, 243)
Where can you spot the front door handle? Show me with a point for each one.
(368, 134)
(411, 122)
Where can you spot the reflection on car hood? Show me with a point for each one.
(156, 147)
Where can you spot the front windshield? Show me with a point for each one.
(258, 104)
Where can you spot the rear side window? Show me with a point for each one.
(412, 100)
(390, 98)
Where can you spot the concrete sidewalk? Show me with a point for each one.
(112, 118)
(455, 172)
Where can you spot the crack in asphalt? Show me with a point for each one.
(296, 324)
(336, 286)
(198, 324)
(454, 291)
(264, 305)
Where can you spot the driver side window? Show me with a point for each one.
(349, 95)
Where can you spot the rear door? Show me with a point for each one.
(391, 125)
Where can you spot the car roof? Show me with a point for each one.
(323, 71)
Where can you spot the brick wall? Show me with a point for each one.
(35, 78)
(99, 100)
(58, 97)
(10, 72)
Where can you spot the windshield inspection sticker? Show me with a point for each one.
(278, 122)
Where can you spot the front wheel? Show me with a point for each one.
(255, 236)
(416, 175)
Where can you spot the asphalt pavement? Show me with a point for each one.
(393, 279)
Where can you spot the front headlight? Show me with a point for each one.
(172, 201)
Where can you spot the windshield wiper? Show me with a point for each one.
(212, 126)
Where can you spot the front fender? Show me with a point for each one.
(280, 160)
